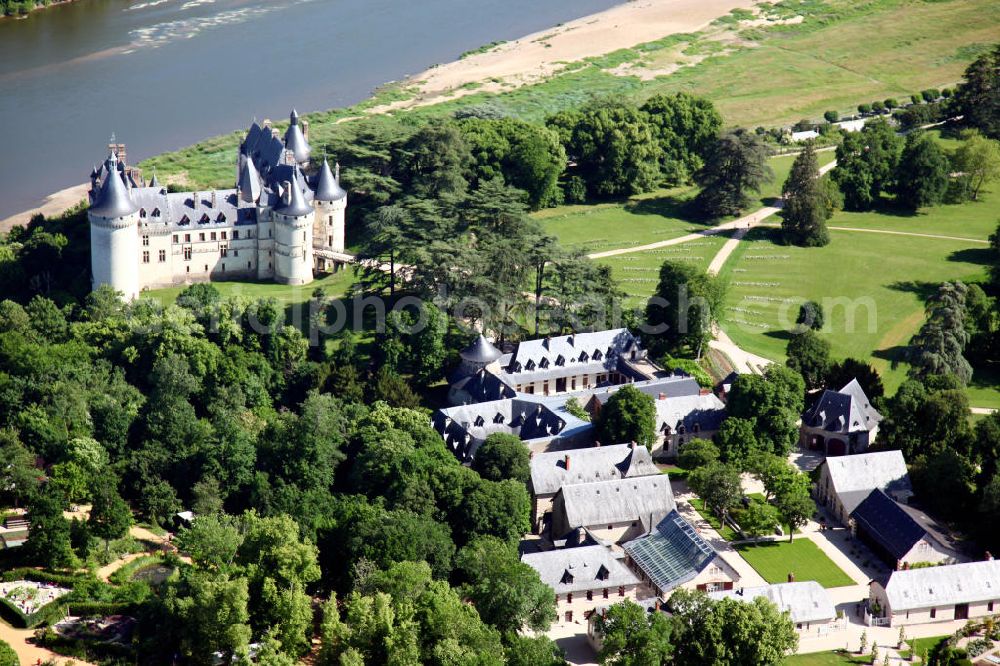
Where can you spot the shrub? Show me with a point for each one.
(978, 646)
(7, 655)
(830, 116)
(930, 94)
(864, 108)
(878, 107)
(891, 103)
(916, 99)
(690, 367)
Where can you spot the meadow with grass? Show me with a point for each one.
(775, 560)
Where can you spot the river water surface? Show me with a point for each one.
(162, 74)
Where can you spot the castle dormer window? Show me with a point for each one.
(204, 218)
(529, 366)
(480, 421)
(156, 212)
(498, 418)
(544, 363)
(560, 360)
(584, 357)
(185, 220)
(598, 355)
(221, 217)
(142, 212)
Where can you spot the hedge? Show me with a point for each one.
(97, 608)
(7, 655)
(26, 573)
(47, 614)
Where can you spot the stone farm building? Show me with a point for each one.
(937, 594)
(808, 605)
(840, 422)
(846, 481)
(584, 578)
(551, 471)
(613, 511)
(900, 535)
(275, 223)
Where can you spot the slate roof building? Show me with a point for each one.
(551, 366)
(846, 481)
(551, 471)
(808, 605)
(539, 423)
(840, 422)
(614, 511)
(937, 594)
(672, 554)
(897, 534)
(583, 578)
(275, 223)
(684, 411)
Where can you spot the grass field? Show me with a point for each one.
(774, 560)
(335, 285)
(838, 658)
(920, 645)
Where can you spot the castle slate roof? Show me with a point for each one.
(804, 601)
(644, 498)
(192, 210)
(673, 386)
(294, 200)
(945, 585)
(549, 470)
(483, 386)
(672, 553)
(687, 411)
(888, 524)
(480, 351)
(113, 199)
(855, 476)
(844, 411)
(567, 355)
(327, 188)
(580, 569)
(295, 141)
(248, 183)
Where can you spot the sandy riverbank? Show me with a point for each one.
(517, 63)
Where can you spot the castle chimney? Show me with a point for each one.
(704, 391)
(566, 461)
(597, 443)
(656, 605)
(213, 199)
(663, 396)
(194, 200)
(336, 172)
(633, 445)
(545, 343)
(791, 577)
(989, 556)
(305, 128)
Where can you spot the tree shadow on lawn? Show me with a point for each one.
(680, 208)
(981, 256)
(779, 334)
(922, 289)
(895, 355)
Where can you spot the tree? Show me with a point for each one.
(735, 166)
(922, 173)
(209, 614)
(831, 116)
(628, 416)
(48, 541)
(212, 540)
(810, 317)
(809, 355)
(698, 453)
(614, 147)
(679, 316)
(503, 456)
(736, 441)
(840, 373)
(772, 471)
(719, 486)
(890, 103)
(978, 160)
(806, 206)
(533, 651)
(685, 128)
(759, 519)
(866, 164)
(633, 637)
(937, 348)
(794, 504)
(864, 109)
(507, 593)
(501, 509)
(977, 98)
(7, 655)
(773, 402)
(110, 517)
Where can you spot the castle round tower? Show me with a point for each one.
(330, 202)
(293, 234)
(114, 233)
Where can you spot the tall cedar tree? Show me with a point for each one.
(978, 98)
(735, 167)
(922, 174)
(806, 210)
(682, 310)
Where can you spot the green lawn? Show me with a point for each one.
(774, 560)
(335, 285)
(921, 645)
(725, 531)
(838, 658)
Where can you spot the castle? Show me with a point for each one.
(275, 224)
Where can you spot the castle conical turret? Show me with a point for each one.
(114, 236)
(293, 202)
(295, 141)
(327, 187)
(113, 200)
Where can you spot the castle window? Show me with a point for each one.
(206, 268)
(145, 256)
(201, 236)
(163, 256)
(187, 238)
(331, 220)
(185, 220)
(248, 266)
(225, 250)
(236, 234)
(236, 252)
(223, 268)
(213, 235)
(223, 235)
(145, 241)
(329, 240)
(142, 212)
(156, 212)
(175, 238)
(187, 254)
(303, 237)
(221, 217)
(204, 218)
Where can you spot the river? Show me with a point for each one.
(162, 74)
